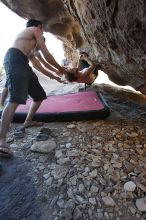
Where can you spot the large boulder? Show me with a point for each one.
(113, 32)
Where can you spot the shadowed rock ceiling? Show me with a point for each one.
(113, 32)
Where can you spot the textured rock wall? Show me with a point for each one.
(114, 32)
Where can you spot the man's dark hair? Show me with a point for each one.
(71, 77)
(32, 23)
(71, 74)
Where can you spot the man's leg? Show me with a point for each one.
(88, 70)
(91, 64)
(91, 72)
(3, 96)
(37, 92)
(87, 74)
(6, 119)
(82, 63)
(32, 110)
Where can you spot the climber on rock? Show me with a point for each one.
(86, 71)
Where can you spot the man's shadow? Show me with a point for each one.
(18, 195)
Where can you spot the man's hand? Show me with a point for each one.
(58, 79)
(62, 70)
(58, 73)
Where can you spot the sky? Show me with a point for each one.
(11, 24)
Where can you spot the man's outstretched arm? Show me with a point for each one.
(38, 66)
(44, 62)
(49, 58)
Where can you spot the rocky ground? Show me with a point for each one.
(90, 169)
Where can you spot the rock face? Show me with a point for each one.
(113, 32)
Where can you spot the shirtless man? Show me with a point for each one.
(37, 60)
(86, 71)
(22, 80)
